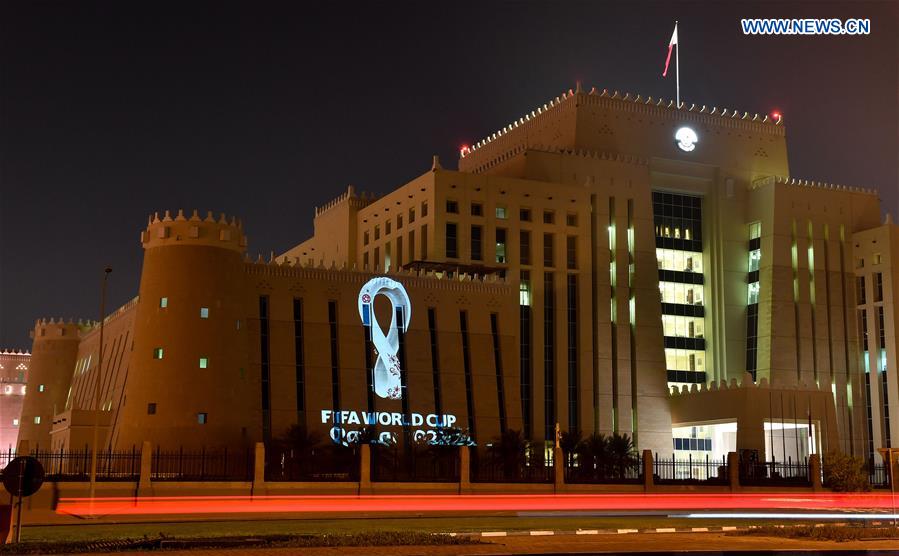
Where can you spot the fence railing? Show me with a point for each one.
(75, 465)
(315, 464)
(774, 473)
(691, 470)
(487, 467)
(878, 475)
(434, 464)
(581, 469)
(201, 465)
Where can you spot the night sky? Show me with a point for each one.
(109, 112)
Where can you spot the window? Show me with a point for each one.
(524, 214)
(377, 258)
(387, 258)
(755, 257)
(452, 251)
(548, 217)
(477, 209)
(860, 262)
(37, 420)
(571, 219)
(860, 290)
(452, 207)
(548, 250)
(424, 209)
(204, 312)
(202, 418)
(40, 388)
(753, 296)
(477, 253)
(365, 237)
(876, 259)
(377, 233)
(387, 228)
(424, 241)
(524, 288)
(157, 353)
(501, 245)
(237, 324)
(878, 286)
(755, 230)
(365, 260)
(151, 408)
(524, 244)
(163, 302)
(204, 362)
(411, 215)
(15, 422)
(571, 252)
(501, 213)
(399, 222)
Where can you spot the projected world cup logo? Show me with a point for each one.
(386, 372)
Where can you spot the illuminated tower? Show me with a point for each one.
(188, 385)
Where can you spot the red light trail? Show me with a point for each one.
(175, 505)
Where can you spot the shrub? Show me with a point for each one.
(845, 473)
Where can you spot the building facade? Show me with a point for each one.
(581, 264)
(13, 385)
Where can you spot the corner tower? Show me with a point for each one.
(53, 359)
(187, 382)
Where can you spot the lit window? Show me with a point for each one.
(157, 353)
(500, 245)
(151, 408)
(37, 420)
(163, 302)
(876, 259)
(40, 388)
(202, 418)
(204, 362)
(204, 312)
(15, 422)
(501, 212)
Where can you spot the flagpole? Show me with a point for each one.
(677, 65)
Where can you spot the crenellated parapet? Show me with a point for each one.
(350, 198)
(181, 230)
(795, 182)
(518, 134)
(733, 384)
(413, 277)
(56, 328)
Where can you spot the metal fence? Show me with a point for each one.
(180, 465)
(487, 467)
(699, 470)
(416, 464)
(774, 473)
(586, 470)
(333, 463)
(75, 465)
(878, 475)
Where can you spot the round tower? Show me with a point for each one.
(187, 384)
(53, 356)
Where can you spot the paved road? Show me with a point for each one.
(571, 544)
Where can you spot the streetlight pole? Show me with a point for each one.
(95, 445)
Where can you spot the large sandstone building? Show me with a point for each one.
(604, 263)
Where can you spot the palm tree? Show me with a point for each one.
(593, 455)
(509, 450)
(621, 454)
(297, 440)
(568, 442)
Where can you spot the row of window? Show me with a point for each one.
(703, 444)
(680, 261)
(680, 293)
(159, 352)
(501, 246)
(502, 213)
(366, 238)
(876, 258)
(861, 290)
(202, 418)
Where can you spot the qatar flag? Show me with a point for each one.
(671, 46)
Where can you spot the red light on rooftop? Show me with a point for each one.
(776, 115)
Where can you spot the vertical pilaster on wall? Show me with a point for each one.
(464, 469)
(814, 471)
(733, 471)
(259, 467)
(558, 469)
(648, 480)
(364, 468)
(146, 461)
